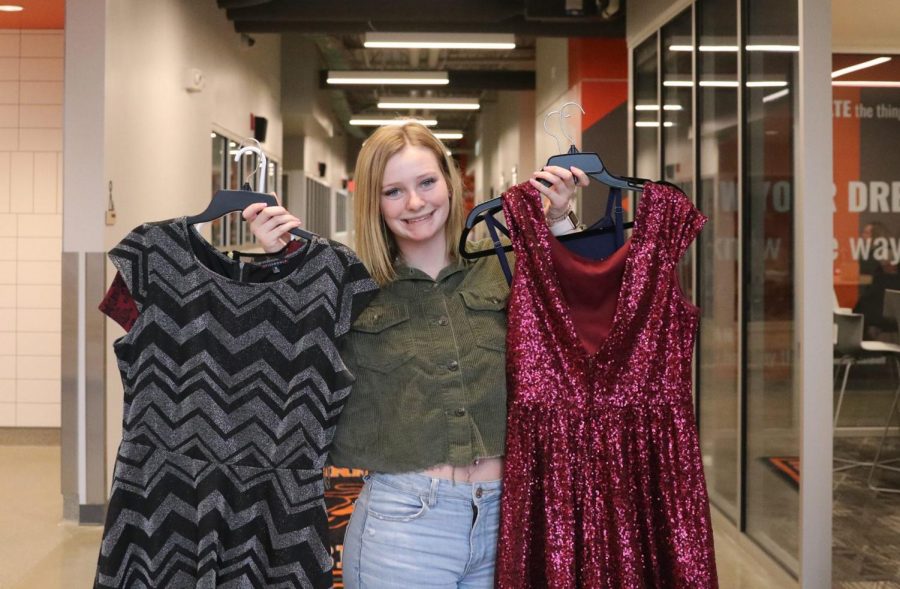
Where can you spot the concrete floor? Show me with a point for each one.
(38, 551)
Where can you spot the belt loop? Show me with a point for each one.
(432, 492)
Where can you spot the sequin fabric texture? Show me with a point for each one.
(603, 480)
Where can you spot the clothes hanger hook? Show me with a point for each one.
(547, 131)
(263, 164)
(563, 115)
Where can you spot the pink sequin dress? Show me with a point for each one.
(603, 480)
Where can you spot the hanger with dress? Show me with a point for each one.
(232, 201)
(593, 167)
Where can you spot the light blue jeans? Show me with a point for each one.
(410, 530)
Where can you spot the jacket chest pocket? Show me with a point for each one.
(486, 312)
(383, 337)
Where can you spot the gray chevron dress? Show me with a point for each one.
(232, 392)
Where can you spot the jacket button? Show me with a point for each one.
(461, 412)
(453, 365)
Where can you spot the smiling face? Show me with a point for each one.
(415, 200)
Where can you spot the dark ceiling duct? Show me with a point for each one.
(475, 16)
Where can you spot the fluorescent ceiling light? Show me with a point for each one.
(11, 8)
(642, 107)
(388, 77)
(767, 84)
(447, 134)
(776, 95)
(859, 66)
(734, 48)
(725, 84)
(775, 48)
(653, 124)
(371, 121)
(706, 48)
(868, 83)
(439, 41)
(430, 103)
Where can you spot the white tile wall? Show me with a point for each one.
(41, 92)
(9, 115)
(9, 45)
(9, 92)
(37, 273)
(8, 248)
(42, 45)
(7, 366)
(9, 139)
(9, 68)
(49, 116)
(31, 121)
(7, 414)
(7, 296)
(37, 367)
(37, 414)
(38, 391)
(7, 391)
(8, 275)
(7, 347)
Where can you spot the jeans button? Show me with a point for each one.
(461, 412)
(478, 492)
(453, 365)
(443, 321)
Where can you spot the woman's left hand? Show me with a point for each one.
(562, 187)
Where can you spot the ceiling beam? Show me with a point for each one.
(230, 4)
(569, 28)
(365, 10)
(360, 16)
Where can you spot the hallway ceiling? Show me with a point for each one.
(339, 26)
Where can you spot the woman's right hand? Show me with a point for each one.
(270, 225)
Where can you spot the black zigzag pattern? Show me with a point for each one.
(232, 394)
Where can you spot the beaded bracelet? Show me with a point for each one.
(557, 219)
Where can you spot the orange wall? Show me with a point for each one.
(601, 66)
(38, 14)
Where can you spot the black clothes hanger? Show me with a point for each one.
(590, 163)
(232, 201)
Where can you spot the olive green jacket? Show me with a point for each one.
(429, 358)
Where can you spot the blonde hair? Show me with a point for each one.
(375, 244)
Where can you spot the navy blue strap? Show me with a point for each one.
(493, 225)
(615, 198)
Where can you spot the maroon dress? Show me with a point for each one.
(603, 480)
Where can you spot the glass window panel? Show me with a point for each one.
(717, 386)
(770, 65)
(219, 167)
(676, 115)
(646, 122)
(866, 125)
(866, 224)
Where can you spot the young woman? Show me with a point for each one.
(427, 413)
